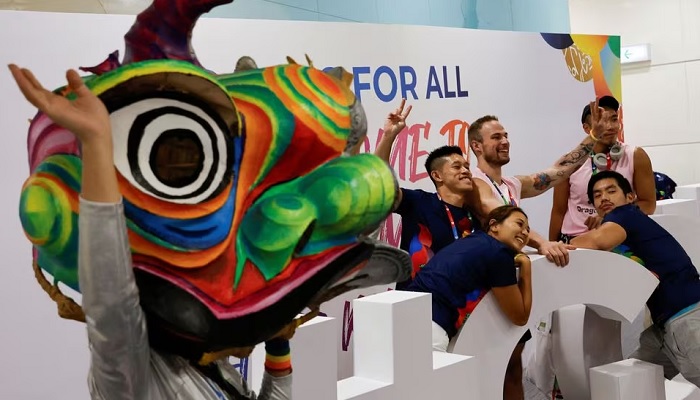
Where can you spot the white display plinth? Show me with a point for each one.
(680, 389)
(580, 324)
(594, 278)
(687, 207)
(315, 360)
(394, 357)
(628, 380)
(688, 192)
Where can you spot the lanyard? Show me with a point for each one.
(452, 220)
(512, 200)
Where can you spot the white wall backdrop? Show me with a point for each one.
(661, 99)
(517, 76)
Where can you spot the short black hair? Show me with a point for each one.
(433, 161)
(622, 182)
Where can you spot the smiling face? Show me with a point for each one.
(607, 195)
(513, 231)
(494, 147)
(453, 172)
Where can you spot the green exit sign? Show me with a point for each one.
(635, 54)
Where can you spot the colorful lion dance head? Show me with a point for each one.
(243, 205)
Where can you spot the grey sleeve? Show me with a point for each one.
(119, 349)
(272, 388)
(276, 388)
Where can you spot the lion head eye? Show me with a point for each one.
(175, 129)
(171, 147)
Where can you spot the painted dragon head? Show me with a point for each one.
(243, 204)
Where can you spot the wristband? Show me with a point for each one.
(520, 255)
(277, 355)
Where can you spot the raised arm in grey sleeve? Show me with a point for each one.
(276, 388)
(272, 388)
(116, 325)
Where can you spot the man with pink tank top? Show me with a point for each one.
(572, 213)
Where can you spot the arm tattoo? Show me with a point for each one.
(564, 167)
(542, 181)
(576, 156)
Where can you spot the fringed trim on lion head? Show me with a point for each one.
(67, 307)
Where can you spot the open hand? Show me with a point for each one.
(601, 120)
(396, 120)
(593, 222)
(288, 331)
(556, 252)
(85, 116)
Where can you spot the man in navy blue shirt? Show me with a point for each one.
(431, 221)
(674, 305)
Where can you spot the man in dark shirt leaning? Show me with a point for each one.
(674, 338)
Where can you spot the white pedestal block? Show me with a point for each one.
(687, 207)
(314, 360)
(680, 389)
(394, 357)
(594, 278)
(628, 380)
(687, 192)
(580, 341)
(392, 352)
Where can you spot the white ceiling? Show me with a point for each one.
(78, 6)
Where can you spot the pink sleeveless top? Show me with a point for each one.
(511, 186)
(578, 208)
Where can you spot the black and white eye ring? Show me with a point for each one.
(172, 148)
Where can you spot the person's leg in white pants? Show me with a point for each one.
(440, 339)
